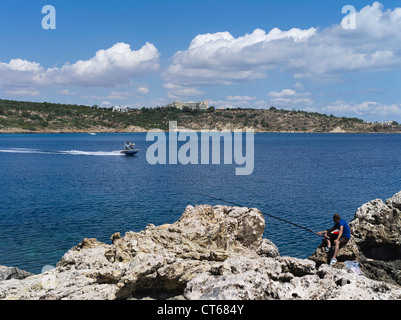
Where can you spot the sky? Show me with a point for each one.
(317, 56)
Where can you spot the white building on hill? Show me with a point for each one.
(380, 123)
(203, 105)
(120, 109)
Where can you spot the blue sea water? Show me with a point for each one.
(57, 189)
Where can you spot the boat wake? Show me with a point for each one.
(69, 152)
(92, 153)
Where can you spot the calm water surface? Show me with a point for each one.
(56, 189)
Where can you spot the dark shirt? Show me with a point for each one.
(346, 231)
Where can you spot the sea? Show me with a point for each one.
(57, 189)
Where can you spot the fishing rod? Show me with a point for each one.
(266, 214)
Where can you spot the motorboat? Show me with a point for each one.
(129, 149)
(130, 152)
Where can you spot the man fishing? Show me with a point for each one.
(339, 234)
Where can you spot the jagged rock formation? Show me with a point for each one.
(375, 242)
(7, 273)
(209, 253)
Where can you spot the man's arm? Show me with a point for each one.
(340, 232)
(323, 233)
(330, 230)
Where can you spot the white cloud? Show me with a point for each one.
(20, 73)
(288, 98)
(108, 68)
(177, 92)
(21, 65)
(142, 90)
(370, 108)
(23, 92)
(240, 98)
(324, 54)
(299, 85)
(291, 102)
(105, 104)
(282, 93)
(66, 92)
(374, 45)
(120, 95)
(220, 58)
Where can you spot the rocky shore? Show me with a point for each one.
(219, 253)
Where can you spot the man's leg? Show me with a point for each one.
(337, 243)
(336, 247)
(328, 242)
(328, 245)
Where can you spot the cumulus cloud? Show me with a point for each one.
(371, 108)
(23, 92)
(120, 95)
(178, 92)
(66, 92)
(108, 68)
(20, 73)
(240, 98)
(288, 98)
(116, 65)
(142, 90)
(220, 58)
(21, 65)
(291, 102)
(282, 93)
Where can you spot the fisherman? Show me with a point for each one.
(339, 234)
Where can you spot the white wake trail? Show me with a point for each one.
(66, 152)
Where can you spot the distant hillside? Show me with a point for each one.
(35, 117)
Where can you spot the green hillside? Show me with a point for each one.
(18, 116)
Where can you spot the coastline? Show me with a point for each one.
(30, 117)
(143, 130)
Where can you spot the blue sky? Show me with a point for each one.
(254, 53)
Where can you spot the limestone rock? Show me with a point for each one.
(285, 279)
(395, 201)
(268, 249)
(7, 273)
(209, 253)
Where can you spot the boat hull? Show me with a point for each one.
(129, 152)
